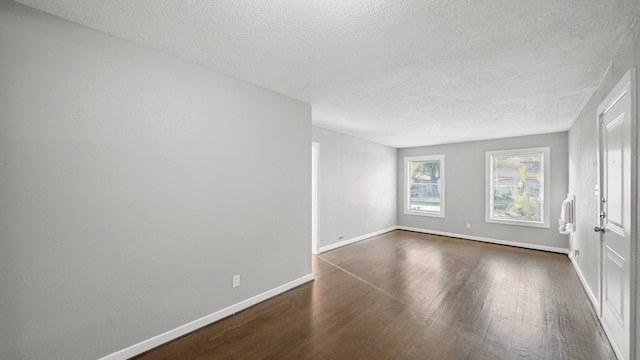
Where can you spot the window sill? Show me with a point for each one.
(519, 223)
(439, 214)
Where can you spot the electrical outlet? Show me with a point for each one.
(468, 225)
(340, 237)
(236, 281)
(366, 224)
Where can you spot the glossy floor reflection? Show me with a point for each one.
(405, 295)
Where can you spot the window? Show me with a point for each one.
(424, 185)
(516, 193)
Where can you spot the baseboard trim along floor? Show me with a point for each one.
(356, 239)
(158, 340)
(435, 232)
(173, 334)
(488, 240)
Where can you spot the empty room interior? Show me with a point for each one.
(371, 179)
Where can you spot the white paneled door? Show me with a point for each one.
(614, 214)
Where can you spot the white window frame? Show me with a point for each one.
(407, 186)
(546, 193)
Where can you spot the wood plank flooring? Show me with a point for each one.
(406, 295)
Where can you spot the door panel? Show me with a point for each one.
(614, 288)
(613, 138)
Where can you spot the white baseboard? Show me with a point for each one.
(158, 340)
(489, 240)
(594, 300)
(356, 239)
(596, 307)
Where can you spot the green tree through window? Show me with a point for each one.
(521, 176)
(424, 189)
(516, 192)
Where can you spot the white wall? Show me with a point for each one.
(357, 182)
(583, 173)
(133, 185)
(465, 191)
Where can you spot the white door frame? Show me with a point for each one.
(315, 156)
(625, 87)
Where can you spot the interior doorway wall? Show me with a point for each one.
(315, 148)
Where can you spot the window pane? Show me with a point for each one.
(517, 187)
(425, 185)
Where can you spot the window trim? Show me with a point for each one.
(407, 179)
(546, 199)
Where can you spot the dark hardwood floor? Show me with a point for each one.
(405, 295)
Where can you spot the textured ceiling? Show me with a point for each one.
(400, 73)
